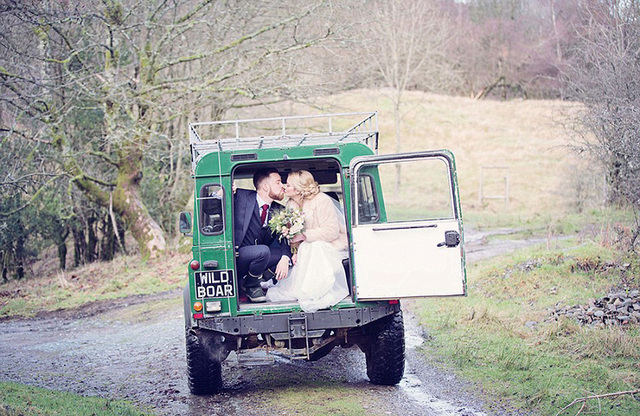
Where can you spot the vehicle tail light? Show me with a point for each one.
(197, 306)
(195, 265)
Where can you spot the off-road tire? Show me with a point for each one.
(385, 352)
(204, 372)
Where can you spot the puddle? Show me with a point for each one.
(417, 391)
(412, 340)
(412, 386)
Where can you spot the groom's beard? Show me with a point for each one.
(276, 197)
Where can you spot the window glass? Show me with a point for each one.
(367, 204)
(412, 189)
(211, 209)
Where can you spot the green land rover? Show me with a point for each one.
(404, 229)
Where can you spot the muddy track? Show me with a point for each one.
(133, 349)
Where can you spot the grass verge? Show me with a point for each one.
(501, 336)
(122, 277)
(598, 223)
(18, 399)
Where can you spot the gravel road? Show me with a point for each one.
(134, 349)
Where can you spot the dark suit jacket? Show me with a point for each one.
(244, 205)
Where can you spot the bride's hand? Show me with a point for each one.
(299, 238)
(294, 259)
(282, 268)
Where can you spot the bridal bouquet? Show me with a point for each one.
(288, 223)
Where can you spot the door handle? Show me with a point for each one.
(451, 239)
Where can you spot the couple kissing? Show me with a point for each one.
(313, 276)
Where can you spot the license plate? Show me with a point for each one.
(214, 284)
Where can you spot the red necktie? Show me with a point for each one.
(263, 216)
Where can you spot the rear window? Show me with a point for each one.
(211, 209)
(367, 202)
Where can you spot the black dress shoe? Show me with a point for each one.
(255, 294)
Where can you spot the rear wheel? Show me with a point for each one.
(385, 352)
(204, 371)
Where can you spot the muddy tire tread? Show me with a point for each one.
(385, 355)
(203, 373)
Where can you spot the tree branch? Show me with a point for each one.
(104, 156)
(20, 133)
(239, 41)
(193, 12)
(26, 176)
(31, 200)
(583, 400)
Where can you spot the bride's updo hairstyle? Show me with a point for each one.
(304, 182)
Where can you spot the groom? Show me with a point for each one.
(258, 248)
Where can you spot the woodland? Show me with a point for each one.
(95, 95)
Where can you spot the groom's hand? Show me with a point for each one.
(282, 268)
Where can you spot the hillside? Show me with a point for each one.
(525, 137)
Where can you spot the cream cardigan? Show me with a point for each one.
(321, 221)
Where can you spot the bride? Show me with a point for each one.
(317, 279)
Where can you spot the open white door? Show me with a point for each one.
(407, 228)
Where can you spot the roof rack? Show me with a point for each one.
(282, 132)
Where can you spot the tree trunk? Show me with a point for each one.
(79, 246)
(127, 203)
(107, 244)
(91, 252)
(4, 258)
(61, 241)
(62, 255)
(20, 256)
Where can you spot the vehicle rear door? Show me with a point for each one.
(407, 231)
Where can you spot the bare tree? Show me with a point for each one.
(507, 48)
(606, 78)
(104, 81)
(404, 41)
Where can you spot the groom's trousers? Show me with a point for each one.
(253, 261)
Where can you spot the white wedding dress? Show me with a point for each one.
(317, 281)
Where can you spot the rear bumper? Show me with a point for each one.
(279, 322)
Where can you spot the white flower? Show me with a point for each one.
(295, 229)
